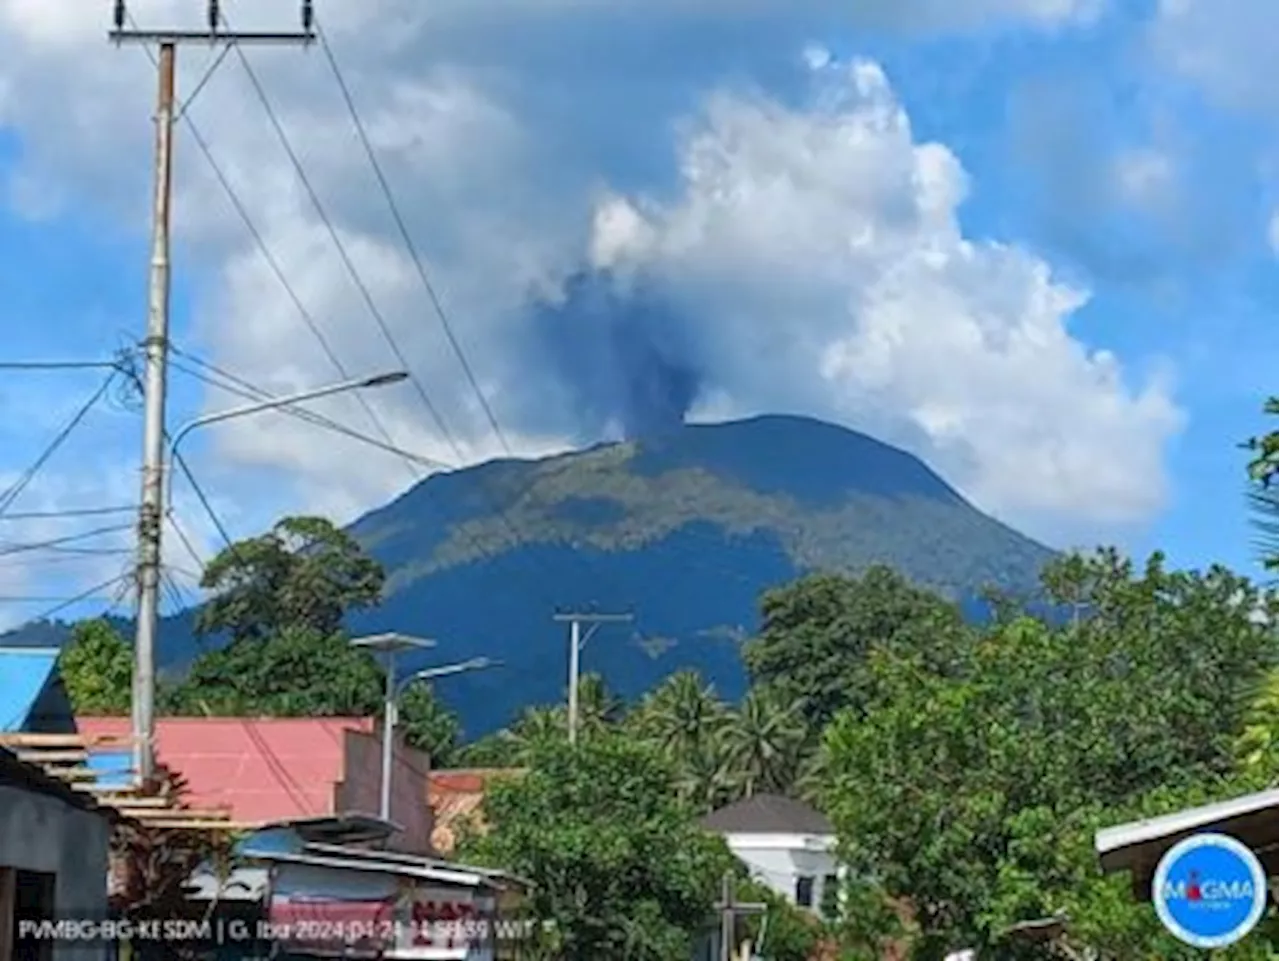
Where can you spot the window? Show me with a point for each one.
(804, 891)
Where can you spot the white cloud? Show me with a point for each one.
(827, 244)
(818, 248)
(1229, 52)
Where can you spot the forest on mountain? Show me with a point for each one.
(965, 766)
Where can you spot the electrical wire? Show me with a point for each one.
(18, 486)
(409, 245)
(244, 389)
(274, 266)
(8, 549)
(68, 512)
(84, 596)
(56, 364)
(345, 257)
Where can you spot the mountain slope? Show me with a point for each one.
(686, 529)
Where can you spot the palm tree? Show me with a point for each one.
(764, 742)
(682, 715)
(703, 777)
(1265, 482)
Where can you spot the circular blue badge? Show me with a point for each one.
(1209, 890)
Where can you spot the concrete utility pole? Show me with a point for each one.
(155, 349)
(576, 643)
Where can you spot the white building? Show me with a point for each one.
(787, 845)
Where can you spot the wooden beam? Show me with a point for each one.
(25, 739)
(107, 798)
(176, 813)
(85, 773)
(52, 756)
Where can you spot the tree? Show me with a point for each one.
(295, 673)
(818, 632)
(304, 573)
(989, 777)
(429, 726)
(764, 741)
(619, 865)
(97, 669)
(1264, 468)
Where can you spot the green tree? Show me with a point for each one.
(1037, 726)
(294, 673)
(818, 632)
(619, 865)
(303, 574)
(764, 741)
(1264, 469)
(97, 669)
(429, 726)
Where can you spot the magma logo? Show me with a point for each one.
(1209, 890)
(1207, 895)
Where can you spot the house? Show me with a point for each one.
(456, 797)
(54, 861)
(35, 699)
(787, 845)
(327, 894)
(268, 770)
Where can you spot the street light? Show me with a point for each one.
(271, 403)
(149, 527)
(390, 645)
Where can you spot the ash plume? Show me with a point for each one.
(622, 351)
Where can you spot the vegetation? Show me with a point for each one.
(965, 767)
(97, 669)
(280, 598)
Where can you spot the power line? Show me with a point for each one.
(18, 486)
(57, 364)
(412, 249)
(274, 266)
(341, 248)
(68, 512)
(85, 595)
(243, 388)
(9, 549)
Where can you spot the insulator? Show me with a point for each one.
(308, 15)
(214, 16)
(119, 14)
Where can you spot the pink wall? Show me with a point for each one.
(359, 790)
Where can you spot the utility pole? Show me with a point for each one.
(156, 346)
(576, 643)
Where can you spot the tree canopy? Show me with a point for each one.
(304, 573)
(990, 777)
(616, 859)
(97, 669)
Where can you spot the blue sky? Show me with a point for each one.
(1030, 240)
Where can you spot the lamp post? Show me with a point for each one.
(148, 569)
(390, 645)
(271, 403)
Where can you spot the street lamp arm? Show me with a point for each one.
(474, 664)
(271, 403)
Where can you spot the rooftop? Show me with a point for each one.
(768, 814)
(261, 769)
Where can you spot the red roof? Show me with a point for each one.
(263, 769)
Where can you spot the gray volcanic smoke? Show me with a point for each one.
(623, 352)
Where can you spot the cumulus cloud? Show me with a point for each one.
(798, 256)
(815, 264)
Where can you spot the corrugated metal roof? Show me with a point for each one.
(1110, 841)
(24, 674)
(263, 769)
